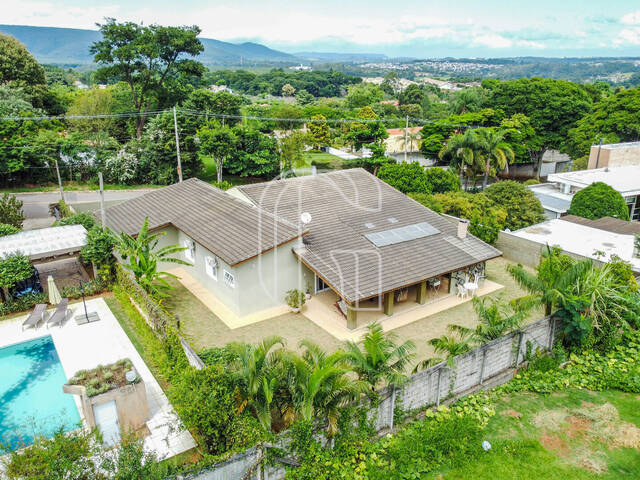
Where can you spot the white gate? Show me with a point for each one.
(106, 415)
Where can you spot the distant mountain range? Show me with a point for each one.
(70, 46)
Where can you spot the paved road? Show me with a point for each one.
(36, 205)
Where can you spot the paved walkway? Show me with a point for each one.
(82, 347)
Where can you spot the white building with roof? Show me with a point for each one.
(581, 241)
(556, 194)
(45, 243)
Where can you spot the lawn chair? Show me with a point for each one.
(35, 317)
(60, 314)
(462, 292)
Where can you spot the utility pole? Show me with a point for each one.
(175, 127)
(102, 212)
(406, 131)
(59, 181)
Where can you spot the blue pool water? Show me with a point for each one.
(31, 399)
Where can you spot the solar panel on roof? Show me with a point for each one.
(401, 234)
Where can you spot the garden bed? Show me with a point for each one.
(104, 377)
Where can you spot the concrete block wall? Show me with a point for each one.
(421, 390)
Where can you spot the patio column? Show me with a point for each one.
(388, 303)
(421, 292)
(352, 317)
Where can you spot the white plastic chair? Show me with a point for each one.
(473, 286)
(462, 292)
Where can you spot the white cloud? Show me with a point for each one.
(632, 18)
(628, 36)
(530, 44)
(492, 40)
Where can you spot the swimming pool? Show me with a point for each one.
(32, 402)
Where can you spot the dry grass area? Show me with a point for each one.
(204, 329)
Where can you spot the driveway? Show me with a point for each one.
(36, 204)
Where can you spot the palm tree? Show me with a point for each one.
(448, 345)
(494, 320)
(414, 139)
(256, 375)
(464, 152)
(378, 358)
(496, 152)
(144, 258)
(320, 385)
(554, 274)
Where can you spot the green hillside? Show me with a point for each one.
(71, 46)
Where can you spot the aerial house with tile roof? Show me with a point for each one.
(345, 233)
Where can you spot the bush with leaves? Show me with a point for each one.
(99, 247)
(485, 216)
(599, 200)
(442, 180)
(6, 229)
(11, 210)
(83, 218)
(23, 303)
(406, 177)
(13, 269)
(204, 400)
(522, 206)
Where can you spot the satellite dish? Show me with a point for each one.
(305, 218)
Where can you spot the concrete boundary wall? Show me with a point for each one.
(484, 367)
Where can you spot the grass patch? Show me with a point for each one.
(574, 434)
(322, 160)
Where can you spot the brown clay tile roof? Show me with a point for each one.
(348, 204)
(230, 228)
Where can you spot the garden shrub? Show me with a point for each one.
(442, 180)
(11, 210)
(522, 206)
(99, 247)
(85, 219)
(6, 229)
(205, 401)
(599, 200)
(23, 303)
(406, 177)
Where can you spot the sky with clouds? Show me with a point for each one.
(416, 28)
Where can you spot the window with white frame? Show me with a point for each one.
(190, 251)
(229, 279)
(211, 267)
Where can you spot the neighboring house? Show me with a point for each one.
(345, 231)
(394, 146)
(599, 240)
(220, 88)
(614, 155)
(239, 253)
(367, 241)
(557, 193)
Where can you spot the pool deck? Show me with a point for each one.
(82, 347)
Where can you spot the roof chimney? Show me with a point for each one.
(463, 226)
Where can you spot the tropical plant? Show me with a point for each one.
(99, 247)
(496, 153)
(6, 229)
(554, 273)
(13, 269)
(320, 385)
(257, 375)
(495, 319)
(378, 358)
(463, 152)
(448, 345)
(144, 258)
(295, 298)
(83, 218)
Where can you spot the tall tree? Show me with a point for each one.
(150, 59)
(496, 153)
(319, 133)
(463, 152)
(219, 142)
(18, 68)
(553, 107)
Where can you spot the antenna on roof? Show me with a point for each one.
(305, 217)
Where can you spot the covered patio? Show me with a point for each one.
(323, 309)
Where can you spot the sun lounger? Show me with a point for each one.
(60, 314)
(36, 316)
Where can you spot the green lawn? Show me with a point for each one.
(204, 329)
(574, 434)
(324, 161)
